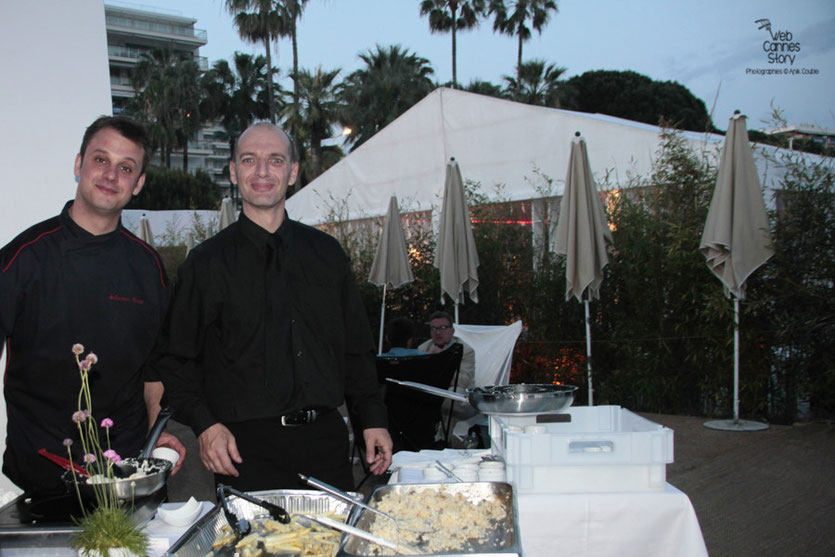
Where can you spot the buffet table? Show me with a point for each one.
(641, 524)
(636, 524)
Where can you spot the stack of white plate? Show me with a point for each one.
(491, 471)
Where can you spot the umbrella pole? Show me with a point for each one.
(456, 313)
(736, 424)
(382, 320)
(588, 350)
(736, 359)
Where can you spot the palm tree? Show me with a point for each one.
(444, 16)
(537, 82)
(293, 11)
(236, 96)
(318, 111)
(167, 99)
(187, 117)
(511, 18)
(485, 88)
(392, 81)
(260, 21)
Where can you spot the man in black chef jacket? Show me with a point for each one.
(267, 336)
(81, 277)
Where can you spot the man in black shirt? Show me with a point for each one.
(82, 278)
(267, 336)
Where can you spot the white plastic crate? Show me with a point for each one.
(602, 449)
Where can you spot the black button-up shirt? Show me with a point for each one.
(264, 324)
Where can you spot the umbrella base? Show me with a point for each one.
(736, 425)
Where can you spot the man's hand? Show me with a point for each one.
(218, 450)
(170, 441)
(378, 446)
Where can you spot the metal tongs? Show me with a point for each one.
(399, 547)
(241, 526)
(319, 484)
(338, 493)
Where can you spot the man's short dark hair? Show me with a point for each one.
(127, 128)
(441, 315)
(400, 331)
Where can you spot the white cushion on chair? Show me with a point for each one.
(493, 345)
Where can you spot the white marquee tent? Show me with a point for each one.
(495, 141)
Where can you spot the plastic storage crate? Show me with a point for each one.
(601, 449)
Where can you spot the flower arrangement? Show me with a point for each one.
(108, 525)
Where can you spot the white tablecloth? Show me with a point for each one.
(646, 524)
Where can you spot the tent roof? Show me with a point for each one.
(495, 141)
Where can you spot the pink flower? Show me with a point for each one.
(67, 442)
(77, 349)
(84, 365)
(89, 458)
(112, 456)
(79, 416)
(107, 423)
(92, 358)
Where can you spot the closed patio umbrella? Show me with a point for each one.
(189, 242)
(456, 257)
(581, 236)
(144, 233)
(227, 213)
(736, 238)
(391, 265)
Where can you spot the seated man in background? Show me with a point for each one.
(400, 333)
(442, 335)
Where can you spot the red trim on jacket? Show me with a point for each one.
(29, 243)
(152, 252)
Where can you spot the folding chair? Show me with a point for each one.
(414, 416)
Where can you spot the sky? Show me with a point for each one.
(716, 48)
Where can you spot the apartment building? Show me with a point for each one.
(132, 32)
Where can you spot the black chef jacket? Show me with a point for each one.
(262, 325)
(61, 285)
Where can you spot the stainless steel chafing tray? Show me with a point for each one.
(504, 541)
(198, 540)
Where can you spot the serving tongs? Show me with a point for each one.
(449, 473)
(241, 526)
(336, 492)
(399, 547)
(64, 463)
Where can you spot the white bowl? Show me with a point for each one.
(183, 515)
(433, 474)
(491, 465)
(465, 466)
(166, 453)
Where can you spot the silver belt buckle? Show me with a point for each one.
(310, 417)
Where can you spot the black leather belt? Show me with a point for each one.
(304, 417)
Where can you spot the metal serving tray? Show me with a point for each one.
(198, 540)
(505, 540)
